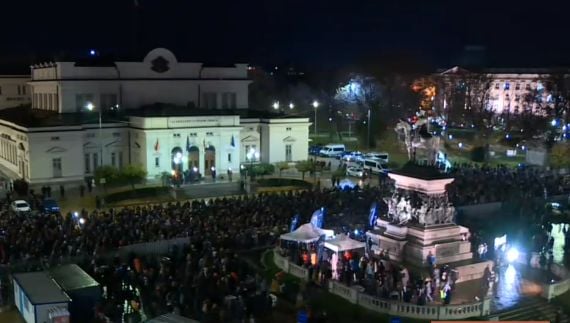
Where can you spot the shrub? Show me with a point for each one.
(478, 154)
(139, 193)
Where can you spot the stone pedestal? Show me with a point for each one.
(420, 221)
(444, 242)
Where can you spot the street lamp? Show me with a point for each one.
(251, 155)
(90, 107)
(291, 105)
(276, 105)
(315, 106)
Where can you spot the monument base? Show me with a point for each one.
(413, 243)
(446, 242)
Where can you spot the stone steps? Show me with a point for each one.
(533, 309)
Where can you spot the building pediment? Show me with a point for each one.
(90, 144)
(55, 150)
(289, 139)
(114, 144)
(250, 139)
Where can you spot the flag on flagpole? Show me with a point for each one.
(373, 215)
(318, 218)
(156, 146)
(294, 223)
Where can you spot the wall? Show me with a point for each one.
(281, 132)
(71, 146)
(23, 304)
(138, 83)
(14, 90)
(42, 311)
(200, 132)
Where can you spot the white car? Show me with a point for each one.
(20, 206)
(355, 172)
(353, 156)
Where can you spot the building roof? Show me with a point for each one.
(40, 288)
(26, 117)
(29, 118)
(72, 277)
(171, 318)
(168, 110)
(411, 169)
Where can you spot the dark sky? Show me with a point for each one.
(326, 33)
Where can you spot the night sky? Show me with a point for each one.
(310, 33)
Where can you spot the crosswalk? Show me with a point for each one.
(532, 309)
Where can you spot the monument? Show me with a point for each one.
(420, 222)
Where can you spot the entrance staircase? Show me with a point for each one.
(532, 309)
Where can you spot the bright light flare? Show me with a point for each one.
(512, 254)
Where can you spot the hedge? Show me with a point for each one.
(280, 182)
(136, 194)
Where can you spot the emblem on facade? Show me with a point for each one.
(160, 64)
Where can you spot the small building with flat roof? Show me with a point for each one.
(39, 298)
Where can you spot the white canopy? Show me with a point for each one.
(343, 243)
(307, 233)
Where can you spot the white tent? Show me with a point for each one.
(307, 233)
(343, 243)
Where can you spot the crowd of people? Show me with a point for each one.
(207, 280)
(484, 184)
(207, 271)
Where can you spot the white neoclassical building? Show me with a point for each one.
(160, 113)
(510, 90)
(14, 91)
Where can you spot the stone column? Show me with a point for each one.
(202, 158)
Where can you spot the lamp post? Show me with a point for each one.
(315, 106)
(275, 105)
(90, 107)
(368, 137)
(251, 155)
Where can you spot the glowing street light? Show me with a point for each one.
(90, 107)
(291, 105)
(276, 105)
(315, 106)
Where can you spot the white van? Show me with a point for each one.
(374, 166)
(384, 157)
(332, 150)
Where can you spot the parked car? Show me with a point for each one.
(20, 206)
(385, 157)
(351, 156)
(332, 150)
(355, 171)
(374, 166)
(50, 206)
(314, 150)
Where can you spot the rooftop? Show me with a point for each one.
(425, 172)
(26, 117)
(71, 277)
(29, 118)
(40, 288)
(168, 110)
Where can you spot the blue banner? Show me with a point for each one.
(373, 216)
(318, 218)
(294, 222)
